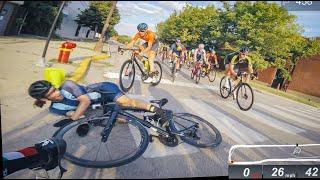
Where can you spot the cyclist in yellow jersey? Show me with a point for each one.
(150, 47)
(242, 61)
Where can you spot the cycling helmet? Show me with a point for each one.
(38, 89)
(244, 49)
(178, 40)
(201, 46)
(142, 27)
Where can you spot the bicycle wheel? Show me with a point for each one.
(198, 75)
(127, 75)
(125, 143)
(173, 71)
(245, 97)
(212, 75)
(158, 74)
(205, 135)
(225, 91)
(192, 73)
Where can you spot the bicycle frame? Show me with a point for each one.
(134, 59)
(117, 110)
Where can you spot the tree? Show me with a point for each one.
(99, 44)
(95, 16)
(124, 39)
(40, 16)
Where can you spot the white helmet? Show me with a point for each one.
(201, 46)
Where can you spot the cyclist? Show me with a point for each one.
(164, 52)
(242, 61)
(150, 47)
(176, 51)
(212, 58)
(200, 55)
(72, 100)
(42, 155)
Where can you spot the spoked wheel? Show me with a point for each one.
(225, 90)
(192, 73)
(173, 71)
(201, 134)
(212, 74)
(125, 143)
(245, 97)
(127, 74)
(158, 74)
(198, 75)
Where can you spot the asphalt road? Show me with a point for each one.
(272, 120)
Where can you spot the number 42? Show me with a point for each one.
(309, 172)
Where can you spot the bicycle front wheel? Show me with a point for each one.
(158, 74)
(198, 75)
(127, 74)
(245, 97)
(125, 143)
(204, 134)
(225, 90)
(212, 75)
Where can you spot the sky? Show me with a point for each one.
(153, 12)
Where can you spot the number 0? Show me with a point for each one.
(246, 172)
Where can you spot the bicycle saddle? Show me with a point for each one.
(160, 102)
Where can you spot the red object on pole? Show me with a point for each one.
(65, 51)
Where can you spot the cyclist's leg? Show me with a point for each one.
(152, 54)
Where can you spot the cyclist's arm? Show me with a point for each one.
(133, 41)
(84, 103)
(25, 158)
(232, 63)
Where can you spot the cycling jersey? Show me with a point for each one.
(200, 55)
(71, 91)
(212, 58)
(177, 49)
(148, 37)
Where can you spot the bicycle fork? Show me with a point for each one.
(109, 125)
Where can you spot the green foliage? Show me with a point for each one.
(40, 17)
(96, 15)
(124, 39)
(266, 28)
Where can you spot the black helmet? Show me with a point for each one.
(38, 89)
(142, 27)
(244, 49)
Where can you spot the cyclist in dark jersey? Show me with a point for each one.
(72, 99)
(242, 61)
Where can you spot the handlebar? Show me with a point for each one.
(122, 49)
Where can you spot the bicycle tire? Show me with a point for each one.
(213, 73)
(105, 164)
(160, 77)
(192, 74)
(126, 89)
(173, 71)
(237, 97)
(223, 89)
(217, 134)
(198, 76)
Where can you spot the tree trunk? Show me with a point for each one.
(87, 33)
(77, 31)
(99, 44)
(95, 32)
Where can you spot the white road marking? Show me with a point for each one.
(225, 124)
(289, 116)
(268, 120)
(299, 114)
(113, 75)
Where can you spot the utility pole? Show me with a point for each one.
(99, 44)
(42, 62)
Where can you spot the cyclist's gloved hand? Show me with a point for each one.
(49, 150)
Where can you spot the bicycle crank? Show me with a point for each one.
(171, 141)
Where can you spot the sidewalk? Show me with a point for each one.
(18, 71)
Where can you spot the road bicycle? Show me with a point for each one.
(244, 94)
(112, 144)
(211, 72)
(128, 70)
(173, 66)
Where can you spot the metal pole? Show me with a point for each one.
(42, 62)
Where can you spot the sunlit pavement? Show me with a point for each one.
(272, 120)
